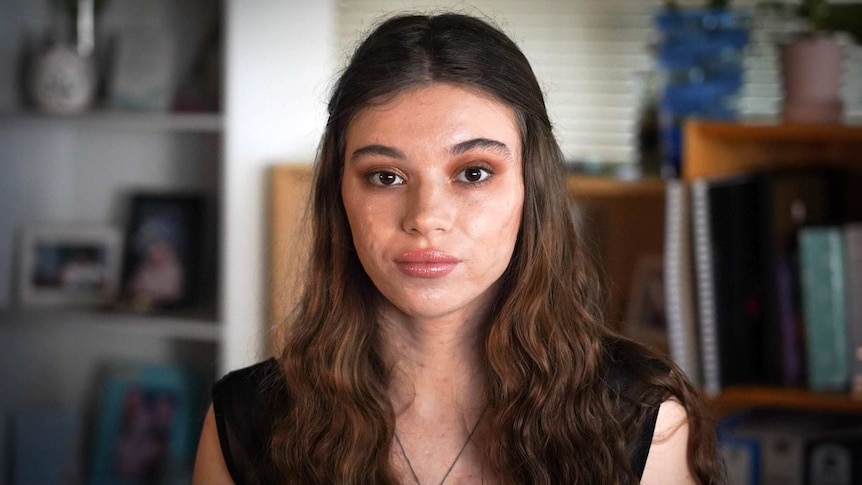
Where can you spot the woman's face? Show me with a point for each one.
(433, 189)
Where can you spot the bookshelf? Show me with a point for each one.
(746, 397)
(716, 149)
(81, 169)
(73, 168)
(166, 122)
(63, 171)
(192, 328)
(713, 149)
(623, 223)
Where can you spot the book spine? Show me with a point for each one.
(681, 326)
(790, 326)
(741, 457)
(705, 284)
(824, 307)
(790, 199)
(782, 455)
(832, 462)
(853, 255)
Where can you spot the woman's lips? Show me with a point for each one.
(426, 263)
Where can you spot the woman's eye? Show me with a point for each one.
(473, 175)
(385, 179)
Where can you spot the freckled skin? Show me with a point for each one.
(465, 203)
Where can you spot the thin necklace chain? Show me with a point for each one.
(457, 457)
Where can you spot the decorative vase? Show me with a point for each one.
(699, 55)
(811, 75)
(63, 79)
(63, 82)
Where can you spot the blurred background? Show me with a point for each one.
(146, 210)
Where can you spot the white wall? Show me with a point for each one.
(280, 59)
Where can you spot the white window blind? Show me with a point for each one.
(592, 58)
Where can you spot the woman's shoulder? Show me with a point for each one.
(245, 406)
(249, 394)
(258, 377)
(632, 375)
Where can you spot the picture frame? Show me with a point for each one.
(145, 425)
(164, 251)
(646, 314)
(71, 265)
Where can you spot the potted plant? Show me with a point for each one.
(812, 60)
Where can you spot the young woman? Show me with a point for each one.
(450, 330)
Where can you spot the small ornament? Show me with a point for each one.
(63, 81)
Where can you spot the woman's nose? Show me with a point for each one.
(430, 208)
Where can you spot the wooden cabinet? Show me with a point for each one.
(715, 149)
(622, 222)
(289, 189)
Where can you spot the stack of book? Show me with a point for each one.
(774, 259)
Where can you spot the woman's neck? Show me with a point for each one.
(438, 393)
(436, 363)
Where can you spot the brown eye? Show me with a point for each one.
(473, 175)
(385, 179)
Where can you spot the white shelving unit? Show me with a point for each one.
(202, 123)
(84, 169)
(132, 325)
(279, 59)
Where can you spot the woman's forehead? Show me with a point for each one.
(450, 112)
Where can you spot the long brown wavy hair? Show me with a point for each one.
(555, 415)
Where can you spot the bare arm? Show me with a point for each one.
(667, 463)
(210, 468)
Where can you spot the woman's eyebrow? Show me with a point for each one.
(381, 150)
(483, 143)
(457, 149)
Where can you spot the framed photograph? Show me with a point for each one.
(146, 421)
(69, 265)
(164, 247)
(646, 319)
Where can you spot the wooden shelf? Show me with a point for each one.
(611, 211)
(740, 398)
(714, 149)
(189, 328)
(588, 186)
(124, 120)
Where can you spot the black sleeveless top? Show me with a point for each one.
(246, 401)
